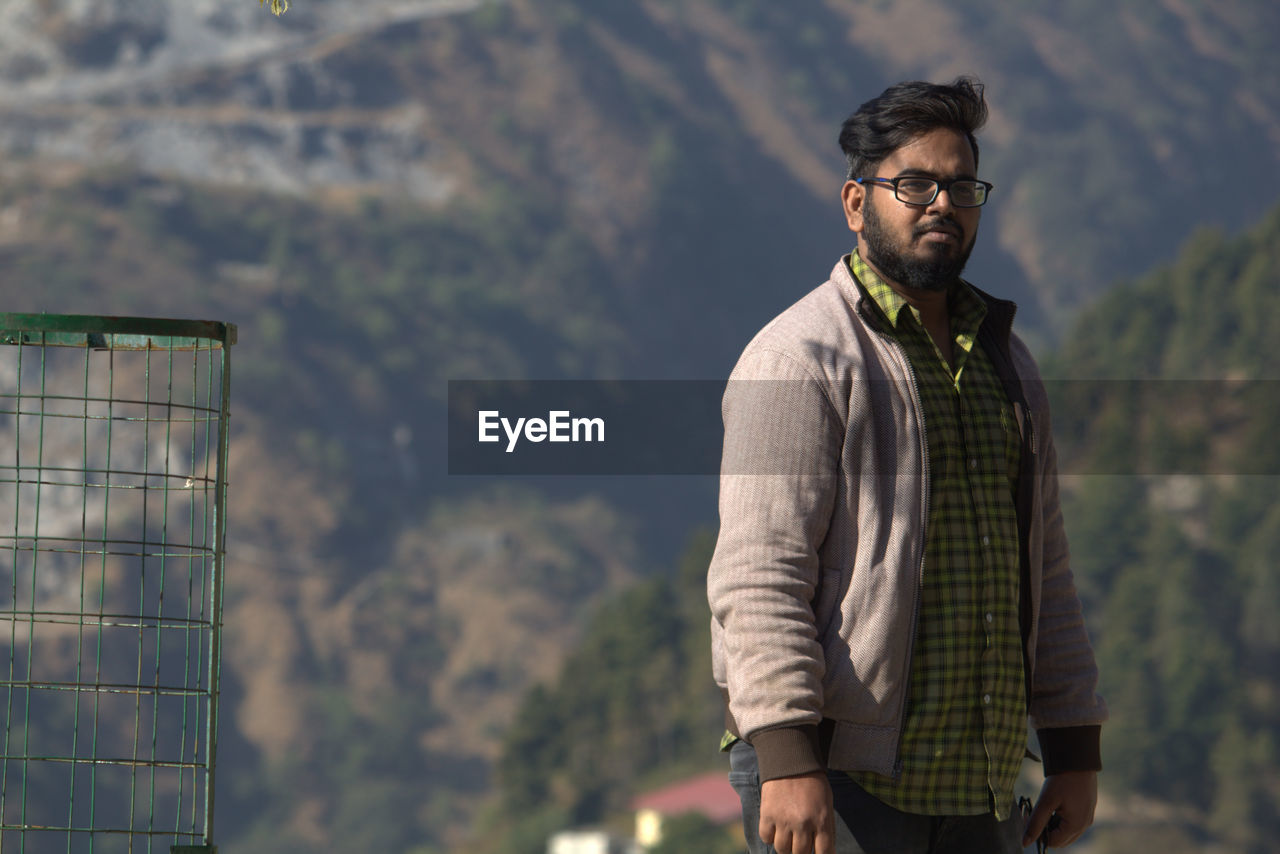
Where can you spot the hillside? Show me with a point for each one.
(671, 134)
(1166, 416)
(388, 195)
(1173, 514)
(368, 594)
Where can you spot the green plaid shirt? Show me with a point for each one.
(965, 731)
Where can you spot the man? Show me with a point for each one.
(891, 593)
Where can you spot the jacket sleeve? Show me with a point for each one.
(782, 445)
(1064, 706)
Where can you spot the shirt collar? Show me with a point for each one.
(966, 306)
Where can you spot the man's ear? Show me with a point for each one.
(853, 194)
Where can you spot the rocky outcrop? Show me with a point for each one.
(215, 92)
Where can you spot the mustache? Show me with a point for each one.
(945, 225)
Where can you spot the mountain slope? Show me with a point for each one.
(1112, 136)
(1168, 423)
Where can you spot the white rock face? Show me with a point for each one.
(129, 81)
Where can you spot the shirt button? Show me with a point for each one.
(973, 462)
(986, 541)
(986, 698)
(991, 618)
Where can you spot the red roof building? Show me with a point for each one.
(709, 795)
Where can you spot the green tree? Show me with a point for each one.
(634, 703)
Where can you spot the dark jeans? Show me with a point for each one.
(865, 825)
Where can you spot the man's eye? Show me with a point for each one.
(916, 185)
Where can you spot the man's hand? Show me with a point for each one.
(797, 816)
(1072, 795)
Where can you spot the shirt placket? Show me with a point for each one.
(985, 448)
(964, 584)
(977, 448)
(988, 661)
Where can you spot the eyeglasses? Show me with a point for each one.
(914, 190)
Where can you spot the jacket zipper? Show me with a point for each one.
(924, 527)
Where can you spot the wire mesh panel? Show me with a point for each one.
(113, 441)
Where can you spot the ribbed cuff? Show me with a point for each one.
(1073, 748)
(787, 751)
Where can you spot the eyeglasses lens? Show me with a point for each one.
(968, 194)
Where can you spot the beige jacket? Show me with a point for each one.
(814, 585)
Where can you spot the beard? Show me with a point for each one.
(936, 273)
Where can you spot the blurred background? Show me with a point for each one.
(390, 194)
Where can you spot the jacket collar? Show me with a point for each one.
(1000, 312)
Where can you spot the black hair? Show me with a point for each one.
(903, 112)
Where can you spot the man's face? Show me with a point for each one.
(916, 247)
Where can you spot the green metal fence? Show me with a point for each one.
(113, 448)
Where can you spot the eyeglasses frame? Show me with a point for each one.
(938, 187)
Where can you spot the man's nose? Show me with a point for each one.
(941, 202)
